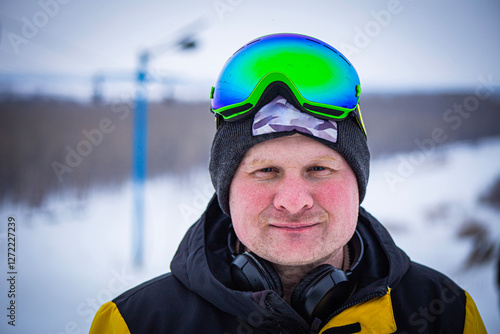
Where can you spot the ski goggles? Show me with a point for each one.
(320, 80)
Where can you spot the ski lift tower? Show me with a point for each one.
(140, 133)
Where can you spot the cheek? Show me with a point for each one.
(246, 202)
(247, 199)
(339, 194)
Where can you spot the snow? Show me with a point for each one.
(425, 211)
(73, 254)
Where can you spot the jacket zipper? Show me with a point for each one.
(300, 327)
(338, 311)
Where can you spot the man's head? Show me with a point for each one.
(293, 200)
(281, 109)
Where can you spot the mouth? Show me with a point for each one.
(294, 227)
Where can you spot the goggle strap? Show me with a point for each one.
(217, 120)
(359, 120)
(280, 88)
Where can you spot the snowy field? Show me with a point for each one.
(74, 254)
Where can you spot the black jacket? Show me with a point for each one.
(392, 294)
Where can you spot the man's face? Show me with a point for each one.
(294, 201)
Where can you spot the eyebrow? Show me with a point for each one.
(263, 162)
(326, 158)
(259, 162)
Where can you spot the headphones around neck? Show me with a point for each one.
(316, 296)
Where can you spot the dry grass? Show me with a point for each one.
(483, 248)
(395, 122)
(35, 133)
(492, 196)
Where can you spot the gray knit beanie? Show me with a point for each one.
(233, 139)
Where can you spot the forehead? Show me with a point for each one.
(296, 147)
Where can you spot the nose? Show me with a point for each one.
(293, 195)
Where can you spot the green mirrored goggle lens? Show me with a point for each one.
(321, 79)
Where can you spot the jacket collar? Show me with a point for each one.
(202, 259)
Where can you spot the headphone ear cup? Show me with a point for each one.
(300, 289)
(322, 290)
(251, 273)
(272, 275)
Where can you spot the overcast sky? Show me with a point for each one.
(395, 45)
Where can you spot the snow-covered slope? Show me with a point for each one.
(74, 254)
(426, 210)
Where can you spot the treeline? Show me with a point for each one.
(49, 145)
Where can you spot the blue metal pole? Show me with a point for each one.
(139, 160)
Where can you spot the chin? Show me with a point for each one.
(295, 258)
(294, 262)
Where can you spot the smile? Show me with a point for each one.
(294, 227)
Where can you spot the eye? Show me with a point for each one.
(265, 173)
(319, 171)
